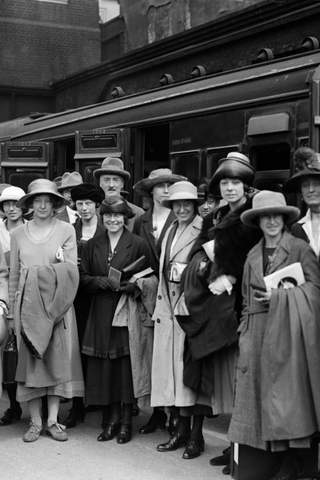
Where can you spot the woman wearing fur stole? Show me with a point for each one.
(212, 283)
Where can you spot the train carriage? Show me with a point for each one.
(266, 111)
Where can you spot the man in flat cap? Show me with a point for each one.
(111, 178)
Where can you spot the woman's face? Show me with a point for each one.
(12, 212)
(184, 210)
(42, 206)
(160, 192)
(113, 222)
(232, 190)
(310, 189)
(271, 225)
(86, 209)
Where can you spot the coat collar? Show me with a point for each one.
(255, 256)
(191, 232)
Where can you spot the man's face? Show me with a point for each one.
(67, 194)
(111, 184)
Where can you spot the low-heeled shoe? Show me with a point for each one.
(124, 435)
(176, 441)
(75, 416)
(221, 460)
(109, 432)
(33, 432)
(57, 432)
(226, 470)
(157, 420)
(193, 449)
(10, 415)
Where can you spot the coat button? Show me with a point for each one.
(159, 297)
(110, 298)
(158, 320)
(173, 294)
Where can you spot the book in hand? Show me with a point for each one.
(288, 277)
(115, 274)
(143, 273)
(135, 266)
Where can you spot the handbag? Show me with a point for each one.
(10, 359)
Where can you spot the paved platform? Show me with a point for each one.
(83, 458)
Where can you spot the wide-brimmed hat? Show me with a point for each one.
(236, 165)
(11, 194)
(69, 180)
(111, 166)
(160, 175)
(87, 191)
(116, 204)
(182, 190)
(267, 202)
(307, 164)
(42, 186)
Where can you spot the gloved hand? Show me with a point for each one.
(127, 287)
(106, 283)
(221, 284)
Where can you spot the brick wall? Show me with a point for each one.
(41, 41)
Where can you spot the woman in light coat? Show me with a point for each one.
(168, 388)
(277, 383)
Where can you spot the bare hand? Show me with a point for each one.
(262, 297)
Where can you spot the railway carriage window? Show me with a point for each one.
(272, 164)
(187, 164)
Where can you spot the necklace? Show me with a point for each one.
(111, 255)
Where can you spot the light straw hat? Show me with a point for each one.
(181, 191)
(267, 203)
(42, 186)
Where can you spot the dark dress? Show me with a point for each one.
(83, 298)
(143, 227)
(109, 374)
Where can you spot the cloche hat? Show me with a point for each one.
(87, 191)
(111, 166)
(307, 164)
(69, 180)
(41, 186)
(11, 193)
(266, 203)
(236, 165)
(182, 190)
(160, 175)
(116, 204)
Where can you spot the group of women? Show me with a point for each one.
(198, 334)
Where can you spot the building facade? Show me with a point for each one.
(42, 41)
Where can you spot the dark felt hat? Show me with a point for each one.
(236, 165)
(87, 191)
(160, 175)
(116, 204)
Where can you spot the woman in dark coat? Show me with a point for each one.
(109, 374)
(213, 339)
(87, 199)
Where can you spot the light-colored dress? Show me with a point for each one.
(26, 252)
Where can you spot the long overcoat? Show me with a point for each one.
(168, 388)
(276, 399)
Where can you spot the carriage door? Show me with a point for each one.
(21, 163)
(92, 146)
(270, 142)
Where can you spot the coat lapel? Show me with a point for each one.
(189, 234)
(148, 231)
